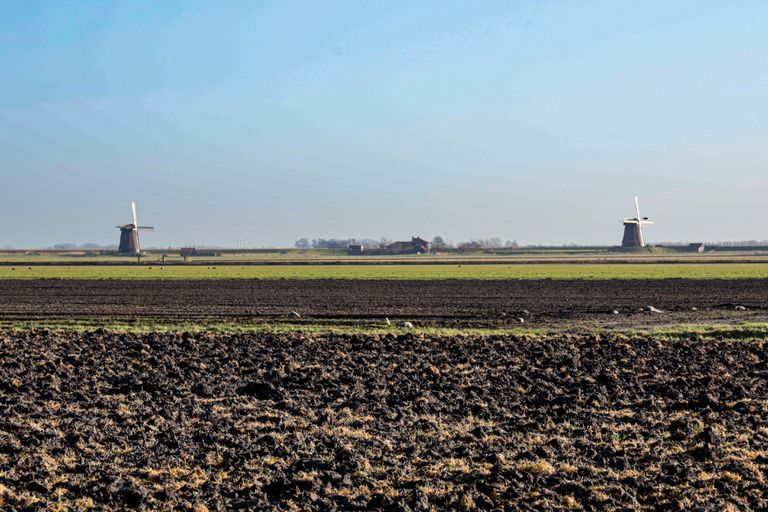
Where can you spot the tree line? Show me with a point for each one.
(438, 243)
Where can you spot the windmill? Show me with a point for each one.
(633, 229)
(129, 235)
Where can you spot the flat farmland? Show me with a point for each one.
(123, 394)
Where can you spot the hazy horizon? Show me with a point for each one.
(272, 121)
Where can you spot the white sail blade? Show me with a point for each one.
(639, 223)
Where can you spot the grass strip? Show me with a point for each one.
(744, 331)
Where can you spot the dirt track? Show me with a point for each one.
(447, 303)
(299, 422)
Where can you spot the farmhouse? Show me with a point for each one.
(415, 246)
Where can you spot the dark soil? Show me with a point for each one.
(299, 422)
(426, 303)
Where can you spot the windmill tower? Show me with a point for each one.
(633, 229)
(129, 236)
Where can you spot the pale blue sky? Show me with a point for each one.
(269, 121)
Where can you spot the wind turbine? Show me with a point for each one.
(129, 235)
(633, 229)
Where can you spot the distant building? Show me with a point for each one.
(189, 252)
(415, 246)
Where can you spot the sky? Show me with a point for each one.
(268, 121)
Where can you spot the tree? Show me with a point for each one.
(492, 243)
(302, 243)
(437, 243)
(473, 245)
(332, 243)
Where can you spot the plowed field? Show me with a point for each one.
(426, 303)
(299, 422)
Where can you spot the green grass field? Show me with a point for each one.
(398, 272)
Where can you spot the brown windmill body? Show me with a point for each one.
(129, 236)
